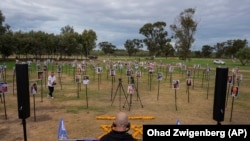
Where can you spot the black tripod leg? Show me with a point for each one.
(115, 94)
(125, 97)
(138, 96)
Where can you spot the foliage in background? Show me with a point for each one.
(184, 29)
(155, 37)
(244, 55)
(72, 45)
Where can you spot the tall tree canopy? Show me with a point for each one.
(232, 46)
(2, 27)
(133, 46)
(229, 48)
(107, 47)
(68, 41)
(207, 51)
(6, 47)
(156, 37)
(243, 55)
(88, 41)
(184, 29)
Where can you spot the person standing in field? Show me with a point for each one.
(51, 84)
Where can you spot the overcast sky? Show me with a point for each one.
(116, 21)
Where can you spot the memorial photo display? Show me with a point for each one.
(112, 72)
(86, 79)
(159, 76)
(78, 78)
(130, 89)
(3, 87)
(234, 91)
(40, 75)
(189, 82)
(176, 84)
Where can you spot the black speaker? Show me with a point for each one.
(220, 90)
(22, 85)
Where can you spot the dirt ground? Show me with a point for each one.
(153, 103)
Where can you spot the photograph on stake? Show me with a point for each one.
(40, 75)
(99, 70)
(150, 70)
(159, 76)
(45, 67)
(239, 78)
(171, 69)
(130, 89)
(129, 72)
(229, 79)
(85, 79)
(234, 91)
(33, 88)
(176, 84)
(188, 73)
(59, 68)
(189, 82)
(78, 78)
(3, 87)
(138, 74)
(79, 69)
(112, 72)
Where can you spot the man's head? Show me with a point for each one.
(121, 122)
(52, 73)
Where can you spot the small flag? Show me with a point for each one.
(62, 133)
(178, 122)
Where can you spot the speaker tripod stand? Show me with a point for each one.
(132, 84)
(121, 89)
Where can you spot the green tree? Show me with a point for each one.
(38, 40)
(107, 47)
(2, 27)
(207, 51)
(133, 46)
(219, 49)
(197, 54)
(68, 41)
(6, 47)
(51, 45)
(25, 43)
(168, 50)
(18, 43)
(184, 29)
(243, 55)
(67, 29)
(156, 37)
(232, 46)
(88, 41)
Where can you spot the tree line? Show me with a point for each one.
(156, 40)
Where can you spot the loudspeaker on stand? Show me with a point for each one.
(22, 85)
(220, 94)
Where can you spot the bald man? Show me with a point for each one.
(119, 130)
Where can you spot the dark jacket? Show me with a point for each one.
(117, 136)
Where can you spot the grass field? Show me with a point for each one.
(88, 110)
